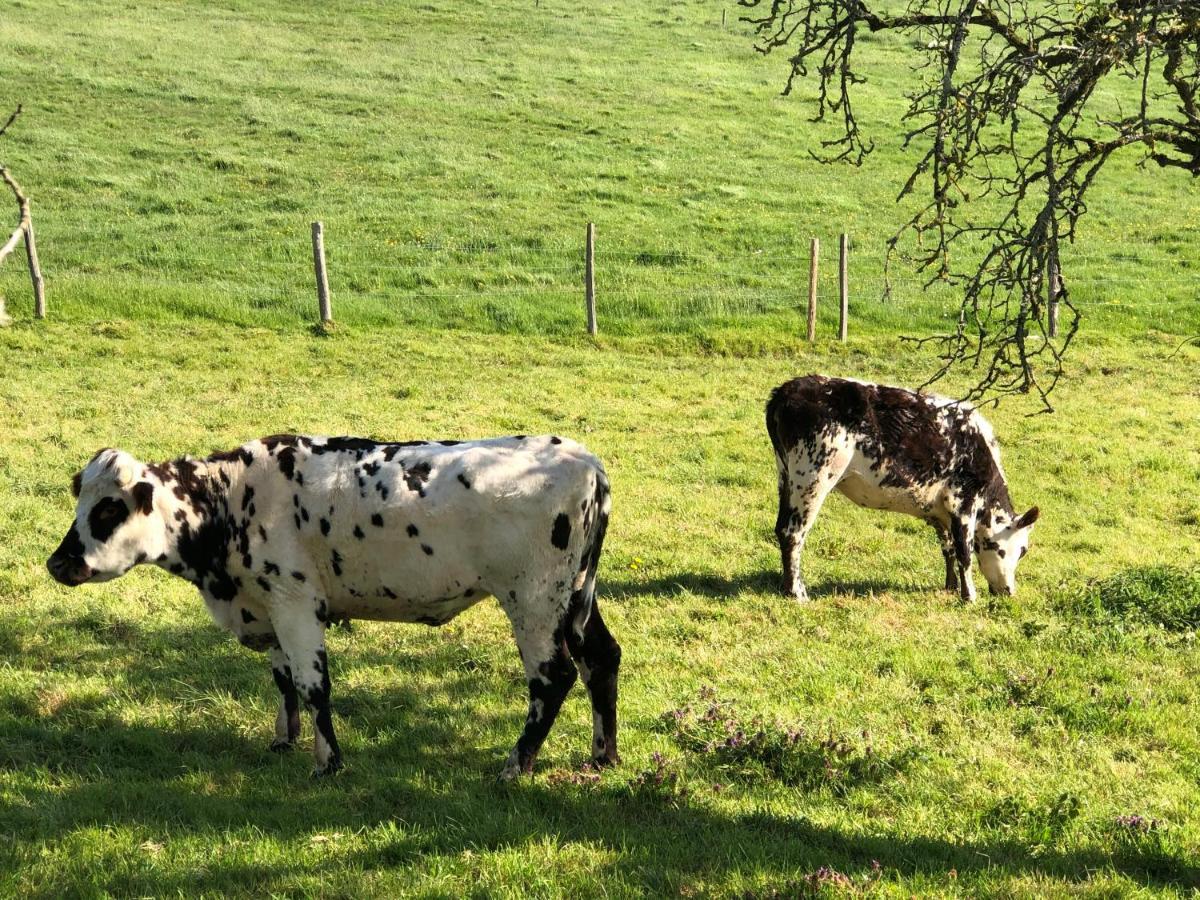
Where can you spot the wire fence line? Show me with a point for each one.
(528, 283)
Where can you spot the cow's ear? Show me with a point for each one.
(1028, 518)
(124, 474)
(143, 497)
(76, 484)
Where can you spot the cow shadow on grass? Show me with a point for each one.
(719, 587)
(422, 770)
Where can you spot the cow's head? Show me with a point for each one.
(116, 524)
(1000, 545)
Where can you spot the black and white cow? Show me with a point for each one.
(288, 533)
(894, 449)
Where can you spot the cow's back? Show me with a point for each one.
(393, 528)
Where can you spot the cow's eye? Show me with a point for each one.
(109, 512)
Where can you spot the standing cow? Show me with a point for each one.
(898, 450)
(288, 533)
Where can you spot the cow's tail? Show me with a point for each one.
(773, 404)
(595, 525)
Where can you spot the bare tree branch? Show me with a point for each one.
(1004, 109)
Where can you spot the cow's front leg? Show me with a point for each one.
(551, 673)
(803, 487)
(287, 723)
(962, 532)
(302, 638)
(948, 555)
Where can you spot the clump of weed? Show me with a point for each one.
(1038, 825)
(824, 881)
(660, 784)
(1163, 596)
(753, 750)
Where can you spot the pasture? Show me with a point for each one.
(883, 740)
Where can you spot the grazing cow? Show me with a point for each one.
(898, 450)
(288, 533)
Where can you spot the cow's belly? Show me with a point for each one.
(381, 607)
(866, 489)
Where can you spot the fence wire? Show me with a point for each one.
(539, 286)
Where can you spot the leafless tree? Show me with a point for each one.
(1004, 111)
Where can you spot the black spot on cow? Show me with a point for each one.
(296, 500)
(377, 520)
(556, 440)
(247, 561)
(241, 454)
(287, 462)
(262, 533)
(370, 469)
(106, 516)
(462, 479)
(299, 576)
(270, 568)
(263, 583)
(336, 560)
(428, 550)
(413, 531)
(389, 593)
(358, 532)
(143, 497)
(247, 616)
(296, 517)
(345, 445)
(76, 484)
(251, 511)
(416, 476)
(324, 523)
(383, 491)
(469, 592)
(247, 496)
(449, 443)
(224, 476)
(304, 513)
(561, 533)
(300, 478)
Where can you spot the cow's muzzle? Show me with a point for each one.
(71, 571)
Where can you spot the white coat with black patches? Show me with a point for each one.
(898, 450)
(288, 533)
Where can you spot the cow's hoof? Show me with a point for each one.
(508, 773)
(603, 762)
(800, 595)
(278, 746)
(329, 769)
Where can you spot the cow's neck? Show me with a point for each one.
(195, 506)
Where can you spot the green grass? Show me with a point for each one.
(177, 152)
(892, 741)
(969, 750)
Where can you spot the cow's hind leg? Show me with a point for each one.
(302, 638)
(550, 674)
(287, 722)
(805, 480)
(598, 656)
(948, 555)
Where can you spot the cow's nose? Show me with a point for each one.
(68, 571)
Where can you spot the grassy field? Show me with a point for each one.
(894, 741)
(973, 750)
(177, 153)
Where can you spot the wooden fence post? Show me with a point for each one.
(812, 290)
(722, 20)
(844, 287)
(1054, 287)
(35, 273)
(589, 278)
(318, 245)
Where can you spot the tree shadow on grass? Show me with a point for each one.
(418, 767)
